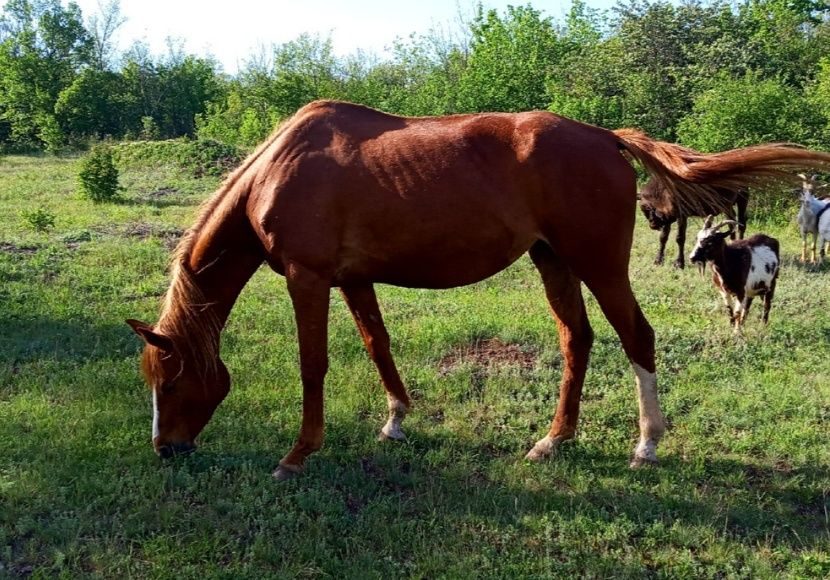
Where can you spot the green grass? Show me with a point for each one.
(742, 490)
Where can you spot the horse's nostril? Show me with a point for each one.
(164, 451)
(169, 450)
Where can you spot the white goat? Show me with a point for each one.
(811, 212)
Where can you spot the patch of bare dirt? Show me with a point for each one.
(143, 230)
(163, 192)
(10, 248)
(488, 354)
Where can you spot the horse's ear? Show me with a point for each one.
(707, 223)
(146, 332)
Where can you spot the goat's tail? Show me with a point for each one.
(689, 178)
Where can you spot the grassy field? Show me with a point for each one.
(742, 489)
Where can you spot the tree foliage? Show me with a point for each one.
(713, 75)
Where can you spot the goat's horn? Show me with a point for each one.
(730, 223)
(708, 221)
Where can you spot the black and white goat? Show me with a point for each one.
(741, 270)
(661, 217)
(811, 215)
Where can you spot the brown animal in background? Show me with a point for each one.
(734, 204)
(346, 196)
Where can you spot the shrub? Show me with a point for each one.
(98, 177)
(208, 157)
(40, 219)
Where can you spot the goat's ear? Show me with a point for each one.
(146, 332)
(802, 176)
(707, 223)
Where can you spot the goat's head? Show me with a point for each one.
(656, 206)
(710, 239)
(809, 185)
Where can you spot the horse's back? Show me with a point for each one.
(408, 199)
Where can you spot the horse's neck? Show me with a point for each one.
(221, 256)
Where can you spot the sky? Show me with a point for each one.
(233, 31)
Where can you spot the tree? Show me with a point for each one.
(102, 29)
(43, 46)
(510, 61)
(746, 111)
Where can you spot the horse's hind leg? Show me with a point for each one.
(363, 304)
(310, 297)
(564, 293)
(621, 309)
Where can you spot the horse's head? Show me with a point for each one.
(186, 389)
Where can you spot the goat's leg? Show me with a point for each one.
(813, 254)
(727, 301)
(768, 300)
(740, 317)
(664, 237)
(803, 247)
(741, 204)
(363, 304)
(564, 293)
(680, 262)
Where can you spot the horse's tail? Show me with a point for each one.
(690, 178)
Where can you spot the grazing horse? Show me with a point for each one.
(651, 196)
(346, 196)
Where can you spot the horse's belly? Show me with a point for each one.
(431, 265)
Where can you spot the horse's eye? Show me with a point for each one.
(167, 387)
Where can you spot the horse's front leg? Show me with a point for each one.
(564, 293)
(310, 297)
(363, 304)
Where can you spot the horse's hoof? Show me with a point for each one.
(544, 449)
(391, 435)
(679, 265)
(639, 462)
(286, 472)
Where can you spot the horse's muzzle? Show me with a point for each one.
(168, 450)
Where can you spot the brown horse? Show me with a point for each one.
(345, 196)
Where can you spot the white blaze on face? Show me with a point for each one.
(155, 415)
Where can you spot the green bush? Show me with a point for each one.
(208, 157)
(40, 219)
(199, 158)
(745, 111)
(98, 177)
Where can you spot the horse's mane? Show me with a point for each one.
(186, 317)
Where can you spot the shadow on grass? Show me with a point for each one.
(367, 492)
(30, 338)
